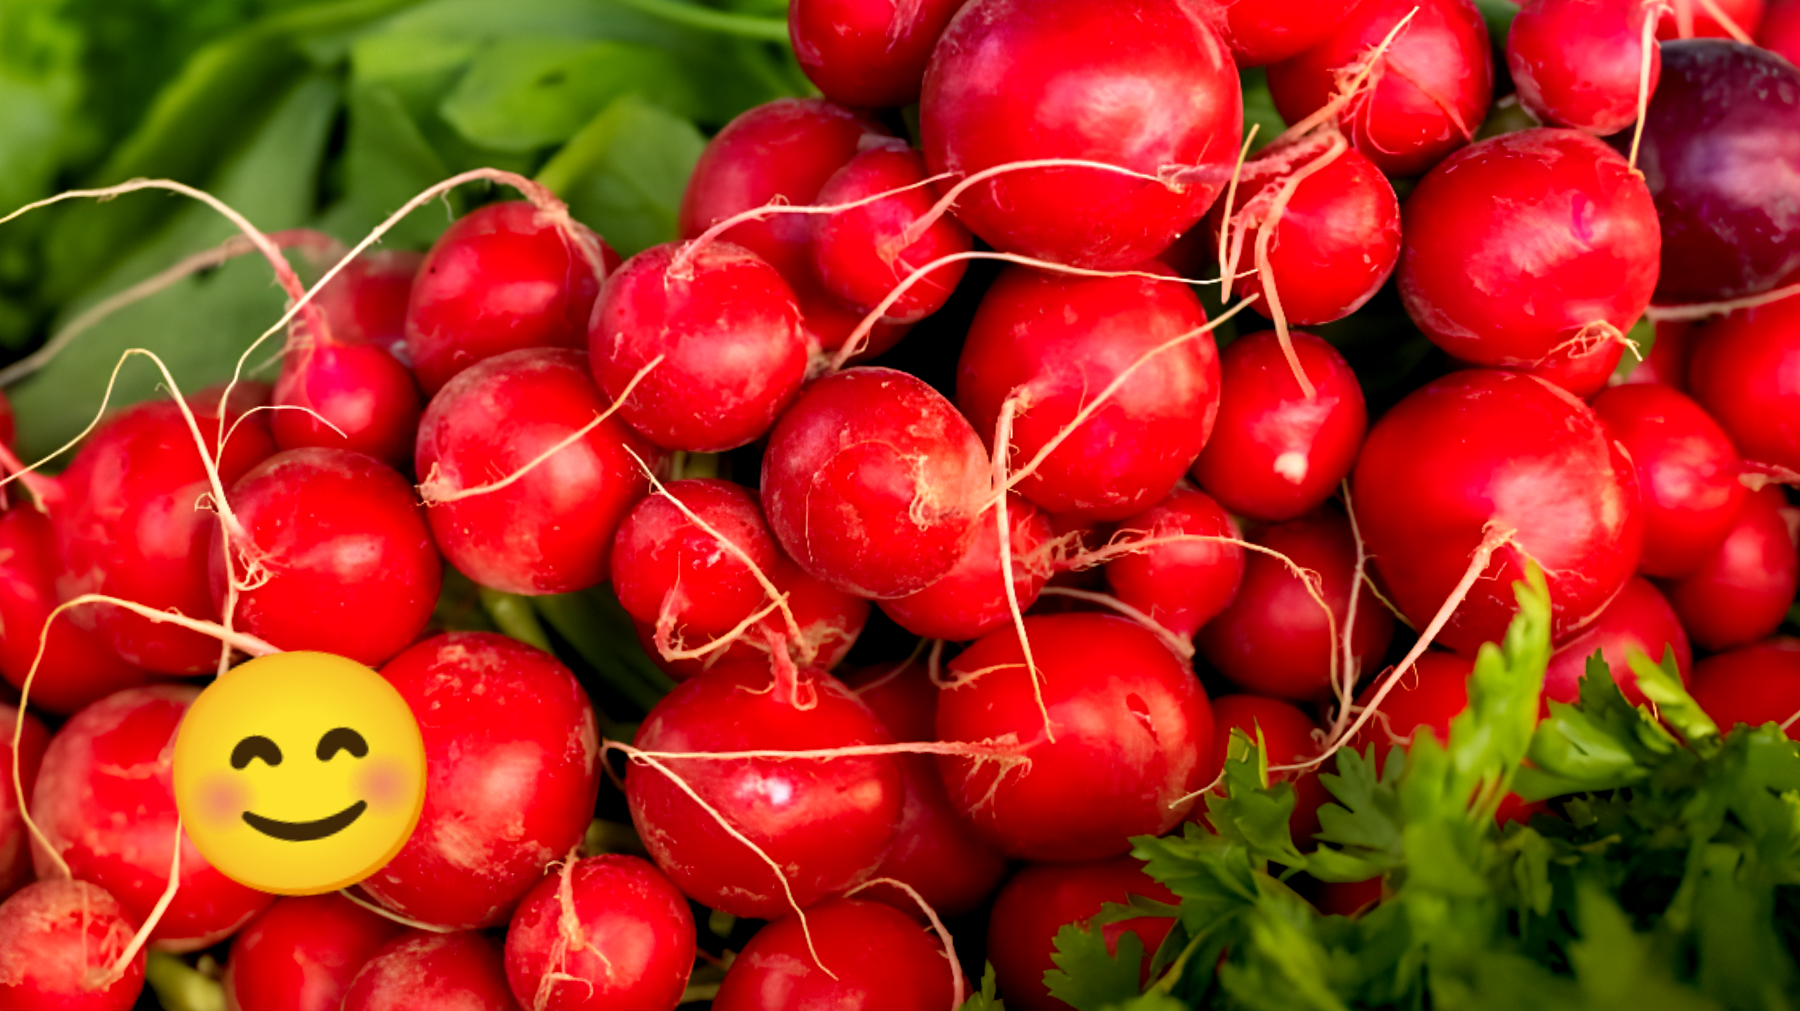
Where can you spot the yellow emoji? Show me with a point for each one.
(299, 773)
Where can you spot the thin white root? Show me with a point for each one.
(1225, 275)
(956, 975)
(388, 914)
(142, 937)
(1178, 645)
(681, 266)
(1355, 76)
(1002, 452)
(1652, 13)
(1701, 310)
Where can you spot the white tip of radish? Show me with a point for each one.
(1291, 466)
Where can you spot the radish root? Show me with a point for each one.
(937, 925)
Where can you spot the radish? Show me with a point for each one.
(717, 330)
(1729, 224)
(1687, 471)
(935, 852)
(1754, 684)
(301, 953)
(1639, 616)
(846, 954)
(829, 621)
(1554, 242)
(669, 570)
(1143, 85)
(602, 932)
(1265, 31)
(1580, 63)
(338, 551)
(867, 52)
(443, 972)
(1122, 723)
(1348, 898)
(1334, 226)
(1186, 580)
(1274, 638)
(1780, 29)
(105, 801)
(58, 942)
(525, 483)
(1053, 343)
(1583, 371)
(368, 398)
(1687, 19)
(79, 666)
(970, 600)
(1430, 695)
(503, 277)
(862, 253)
(826, 822)
(1043, 898)
(1745, 370)
(366, 302)
(1276, 453)
(15, 849)
(1430, 88)
(1743, 591)
(873, 483)
(1482, 463)
(131, 527)
(1289, 737)
(512, 771)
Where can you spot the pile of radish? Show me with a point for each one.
(949, 377)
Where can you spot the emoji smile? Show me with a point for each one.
(306, 831)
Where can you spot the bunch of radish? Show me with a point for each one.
(1105, 540)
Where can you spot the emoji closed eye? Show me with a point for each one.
(256, 746)
(342, 739)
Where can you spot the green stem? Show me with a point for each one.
(699, 992)
(706, 19)
(514, 616)
(607, 642)
(181, 987)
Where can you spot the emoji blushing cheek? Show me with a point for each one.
(383, 784)
(223, 799)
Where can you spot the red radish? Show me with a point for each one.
(1264, 31)
(1666, 363)
(666, 566)
(1583, 371)
(132, 528)
(363, 391)
(1554, 243)
(1431, 694)
(1639, 616)
(827, 822)
(1180, 584)
(873, 483)
(1145, 85)
(867, 52)
(443, 972)
(1687, 472)
(1289, 738)
(861, 955)
(935, 852)
(79, 666)
(1780, 29)
(862, 254)
(58, 942)
(1348, 898)
(512, 770)
(505, 521)
(606, 932)
(366, 302)
(15, 848)
(1129, 732)
(301, 954)
(1743, 591)
(1729, 227)
(503, 277)
(1056, 342)
(830, 324)
(1754, 684)
(1689, 19)
(829, 620)
(1482, 461)
(105, 800)
(1042, 899)
(1337, 237)
(723, 331)
(1579, 63)
(1427, 94)
(1275, 453)
(1274, 638)
(1745, 370)
(339, 552)
(784, 152)
(970, 600)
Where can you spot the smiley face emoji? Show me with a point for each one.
(299, 773)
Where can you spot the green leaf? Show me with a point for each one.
(1490, 737)
(1661, 684)
(624, 174)
(1087, 977)
(1366, 825)
(1599, 743)
(522, 94)
(1148, 1002)
(1253, 813)
(1213, 878)
(985, 999)
(1617, 968)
